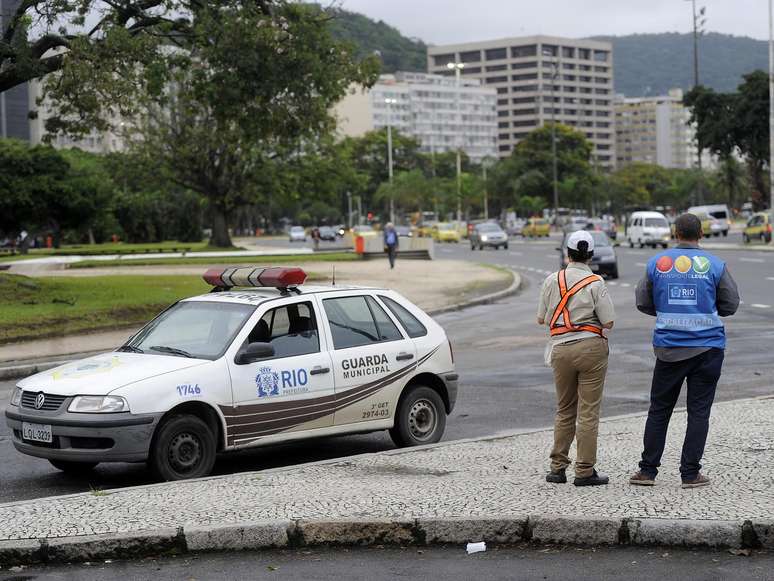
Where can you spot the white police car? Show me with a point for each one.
(243, 367)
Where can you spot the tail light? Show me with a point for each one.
(451, 351)
(768, 228)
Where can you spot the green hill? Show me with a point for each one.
(651, 64)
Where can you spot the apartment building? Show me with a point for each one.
(441, 114)
(539, 79)
(655, 130)
(14, 103)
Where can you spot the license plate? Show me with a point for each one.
(37, 432)
(594, 267)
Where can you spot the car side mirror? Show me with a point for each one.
(253, 352)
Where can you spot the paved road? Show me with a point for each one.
(499, 353)
(452, 563)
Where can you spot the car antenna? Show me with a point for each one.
(333, 280)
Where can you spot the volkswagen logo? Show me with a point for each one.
(39, 401)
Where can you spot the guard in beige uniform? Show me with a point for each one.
(576, 307)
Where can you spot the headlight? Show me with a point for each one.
(607, 258)
(98, 404)
(484, 239)
(16, 396)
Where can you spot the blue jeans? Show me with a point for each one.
(702, 374)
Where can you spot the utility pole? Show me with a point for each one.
(698, 28)
(390, 103)
(771, 106)
(554, 163)
(486, 191)
(3, 128)
(457, 72)
(349, 210)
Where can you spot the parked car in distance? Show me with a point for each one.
(578, 223)
(445, 232)
(488, 234)
(516, 227)
(297, 234)
(604, 261)
(404, 231)
(536, 227)
(758, 227)
(648, 229)
(327, 233)
(604, 225)
(719, 212)
(364, 230)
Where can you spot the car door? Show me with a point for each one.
(372, 359)
(290, 391)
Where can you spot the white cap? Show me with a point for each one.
(580, 236)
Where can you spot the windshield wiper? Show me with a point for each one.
(130, 348)
(171, 350)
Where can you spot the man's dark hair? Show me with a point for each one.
(688, 227)
(582, 254)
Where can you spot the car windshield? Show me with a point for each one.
(297, 229)
(489, 228)
(656, 223)
(720, 215)
(198, 329)
(445, 227)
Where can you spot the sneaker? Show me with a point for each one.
(596, 479)
(700, 480)
(558, 477)
(639, 478)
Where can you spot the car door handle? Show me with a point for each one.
(404, 356)
(319, 370)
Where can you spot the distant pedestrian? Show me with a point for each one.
(391, 243)
(316, 238)
(576, 306)
(687, 290)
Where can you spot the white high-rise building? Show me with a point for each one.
(439, 113)
(655, 130)
(539, 79)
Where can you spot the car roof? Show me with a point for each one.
(258, 295)
(649, 214)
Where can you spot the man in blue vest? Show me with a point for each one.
(391, 243)
(687, 290)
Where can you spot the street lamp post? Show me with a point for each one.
(390, 103)
(457, 67)
(771, 106)
(554, 164)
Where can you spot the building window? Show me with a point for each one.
(471, 70)
(584, 54)
(600, 56)
(502, 101)
(568, 66)
(549, 50)
(517, 100)
(502, 136)
(494, 54)
(525, 88)
(601, 80)
(495, 68)
(520, 112)
(530, 65)
(523, 51)
(524, 77)
(602, 91)
(471, 56)
(525, 123)
(502, 90)
(568, 52)
(491, 80)
(601, 69)
(502, 125)
(442, 60)
(502, 113)
(504, 148)
(521, 135)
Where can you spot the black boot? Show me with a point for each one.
(595, 479)
(558, 477)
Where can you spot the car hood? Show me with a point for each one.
(101, 374)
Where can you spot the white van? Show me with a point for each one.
(720, 212)
(648, 229)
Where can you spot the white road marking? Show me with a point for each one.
(514, 253)
(612, 283)
(640, 264)
(760, 306)
(446, 250)
(745, 259)
(770, 278)
(531, 268)
(625, 284)
(551, 255)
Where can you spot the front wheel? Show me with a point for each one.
(183, 447)
(614, 273)
(665, 246)
(73, 468)
(420, 419)
(506, 246)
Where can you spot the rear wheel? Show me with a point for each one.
(665, 246)
(506, 246)
(614, 273)
(183, 447)
(420, 418)
(74, 468)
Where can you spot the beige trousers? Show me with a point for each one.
(579, 373)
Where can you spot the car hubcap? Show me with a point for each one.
(185, 452)
(422, 419)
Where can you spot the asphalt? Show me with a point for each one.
(499, 353)
(524, 561)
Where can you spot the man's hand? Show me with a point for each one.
(541, 321)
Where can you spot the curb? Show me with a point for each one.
(510, 530)
(23, 370)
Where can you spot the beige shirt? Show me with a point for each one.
(591, 305)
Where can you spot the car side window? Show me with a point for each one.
(414, 328)
(292, 330)
(388, 331)
(353, 322)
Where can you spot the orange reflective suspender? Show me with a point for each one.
(561, 308)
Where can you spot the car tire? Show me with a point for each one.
(631, 243)
(767, 238)
(183, 447)
(665, 246)
(725, 233)
(74, 468)
(506, 246)
(420, 418)
(745, 238)
(614, 273)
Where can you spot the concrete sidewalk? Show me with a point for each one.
(490, 490)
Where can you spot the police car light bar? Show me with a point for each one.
(274, 277)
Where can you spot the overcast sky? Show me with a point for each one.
(447, 21)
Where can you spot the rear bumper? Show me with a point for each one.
(87, 437)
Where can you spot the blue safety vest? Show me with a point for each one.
(685, 282)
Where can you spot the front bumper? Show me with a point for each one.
(86, 437)
(494, 243)
(451, 380)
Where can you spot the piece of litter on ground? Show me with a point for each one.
(476, 547)
(740, 552)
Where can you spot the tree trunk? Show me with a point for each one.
(220, 236)
(759, 186)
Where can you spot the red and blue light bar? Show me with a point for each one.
(272, 277)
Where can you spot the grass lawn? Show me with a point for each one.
(229, 260)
